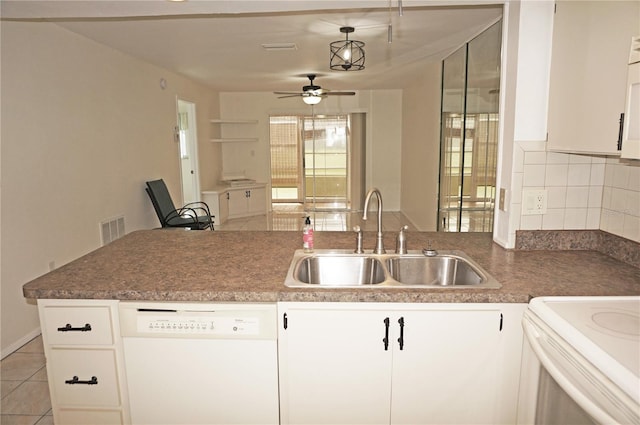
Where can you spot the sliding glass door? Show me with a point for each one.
(310, 160)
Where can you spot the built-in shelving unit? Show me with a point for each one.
(241, 123)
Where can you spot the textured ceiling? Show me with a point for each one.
(220, 43)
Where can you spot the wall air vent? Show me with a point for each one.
(112, 229)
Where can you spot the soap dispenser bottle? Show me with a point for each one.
(307, 235)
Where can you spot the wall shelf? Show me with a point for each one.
(241, 124)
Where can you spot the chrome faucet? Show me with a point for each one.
(379, 249)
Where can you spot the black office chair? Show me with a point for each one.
(194, 216)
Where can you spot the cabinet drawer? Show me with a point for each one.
(68, 325)
(94, 417)
(68, 363)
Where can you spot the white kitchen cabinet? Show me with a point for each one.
(247, 201)
(459, 363)
(631, 134)
(84, 361)
(218, 205)
(234, 202)
(590, 52)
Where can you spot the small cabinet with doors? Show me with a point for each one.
(247, 201)
(234, 202)
(85, 364)
(399, 363)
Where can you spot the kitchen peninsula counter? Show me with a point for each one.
(250, 266)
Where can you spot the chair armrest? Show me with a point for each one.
(199, 205)
(182, 213)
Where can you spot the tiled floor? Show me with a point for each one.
(24, 391)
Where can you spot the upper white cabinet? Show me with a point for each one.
(399, 364)
(589, 64)
(631, 133)
(235, 130)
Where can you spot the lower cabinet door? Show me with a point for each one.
(93, 417)
(447, 369)
(365, 363)
(334, 368)
(237, 203)
(84, 377)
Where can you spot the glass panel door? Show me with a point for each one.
(310, 160)
(326, 159)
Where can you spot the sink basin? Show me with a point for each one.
(441, 270)
(343, 268)
(339, 270)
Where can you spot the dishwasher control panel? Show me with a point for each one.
(186, 324)
(198, 320)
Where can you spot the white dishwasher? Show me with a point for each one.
(196, 363)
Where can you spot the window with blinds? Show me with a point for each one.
(286, 158)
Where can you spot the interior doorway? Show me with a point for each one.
(188, 152)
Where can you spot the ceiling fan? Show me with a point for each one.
(312, 94)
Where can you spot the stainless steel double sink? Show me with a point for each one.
(345, 269)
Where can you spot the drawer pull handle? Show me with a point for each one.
(69, 328)
(76, 380)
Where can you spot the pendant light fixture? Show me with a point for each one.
(346, 55)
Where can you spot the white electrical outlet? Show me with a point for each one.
(534, 202)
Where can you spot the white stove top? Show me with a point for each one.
(604, 330)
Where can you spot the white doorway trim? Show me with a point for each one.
(188, 150)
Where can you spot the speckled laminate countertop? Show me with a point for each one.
(176, 265)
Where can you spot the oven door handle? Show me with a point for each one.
(533, 336)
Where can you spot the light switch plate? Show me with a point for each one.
(501, 200)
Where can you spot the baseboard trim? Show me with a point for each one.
(12, 348)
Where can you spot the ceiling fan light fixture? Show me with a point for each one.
(346, 55)
(312, 99)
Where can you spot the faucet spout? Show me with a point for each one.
(379, 249)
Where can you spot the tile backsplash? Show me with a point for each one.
(583, 191)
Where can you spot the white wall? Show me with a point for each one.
(384, 133)
(83, 127)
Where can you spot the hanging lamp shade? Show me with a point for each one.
(346, 55)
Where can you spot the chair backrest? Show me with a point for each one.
(161, 199)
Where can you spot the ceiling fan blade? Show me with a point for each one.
(288, 92)
(341, 93)
(290, 95)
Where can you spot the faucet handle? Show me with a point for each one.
(401, 241)
(358, 231)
